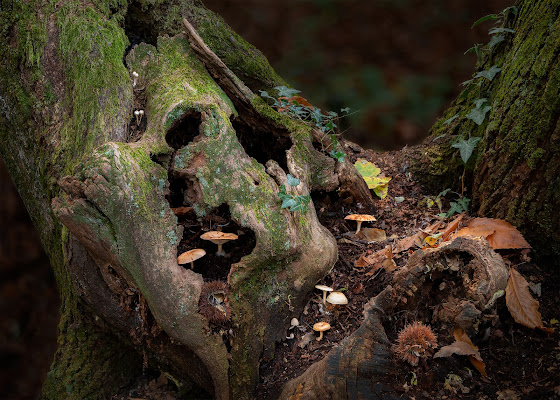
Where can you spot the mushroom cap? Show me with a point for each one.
(134, 73)
(321, 326)
(294, 322)
(217, 237)
(190, 256)
(360, 217)
(337, 298)
(136, 112)
(324, 288)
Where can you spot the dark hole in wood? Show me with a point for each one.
(140, 26)
(263, 143)
(213, 267)
(177, 187)
(184, 130)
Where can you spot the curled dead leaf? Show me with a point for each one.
(522, 306)
(463, 346)
(500, 234)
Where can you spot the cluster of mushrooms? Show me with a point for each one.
(335, 299)
(216, 237)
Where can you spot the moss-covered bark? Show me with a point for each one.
(66, 99)
(513, 173)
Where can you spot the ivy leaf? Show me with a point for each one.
(477, 50)
(337, 155)
(345, 110)
(458, 207)
(284, 91)
(493, 31)
(292, 181)
(492, 17)
(478, 113)
(265, 95)
(489, 73)
(466, 147)
(450, 120)
(289, 202)
(495, 40)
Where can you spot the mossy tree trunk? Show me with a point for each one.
(513, 173)
(100, 196)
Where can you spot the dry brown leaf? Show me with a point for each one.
(180, 211)
(461, 348)
(464, 349)
(451, 227)
(500, 234)
(522, 306)
(372, 235)
(389, 265)
(375, 258)
(406, 243)
(460, 335)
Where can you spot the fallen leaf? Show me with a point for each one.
(461, 348)
(180, 211)
(451, 227)
(432, 240)
(366, 261)
(372, 234)
(507, 394)
(368, 170)
(475, 359)
(500, 234)
(522, 306)
(406, 243)
(362, 261)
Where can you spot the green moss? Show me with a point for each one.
(535, 157)
(92, 47)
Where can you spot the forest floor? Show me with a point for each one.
(520, 363)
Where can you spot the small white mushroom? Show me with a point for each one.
(135, 77)
(324, 289)
(137, 115)
(294, 323)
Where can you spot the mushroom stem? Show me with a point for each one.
(359, 226)
(324, 297)
(192, 265)
(320, 336)
(220, 252)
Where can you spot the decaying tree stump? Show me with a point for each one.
(454, 285)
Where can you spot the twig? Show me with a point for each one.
(225, 78)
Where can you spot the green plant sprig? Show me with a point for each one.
(294, 203)
(311, 115)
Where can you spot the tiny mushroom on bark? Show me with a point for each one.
(324, 289)
(135, 76)
(359, 218)
(137, 114)
(190, 256)
(218, 238)
(321, 327)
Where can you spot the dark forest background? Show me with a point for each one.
(396, 63)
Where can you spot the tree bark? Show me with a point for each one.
(513, 173)
(100, 196)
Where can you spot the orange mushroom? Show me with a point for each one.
(218, 238)
(359, 218)
(190, 256)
